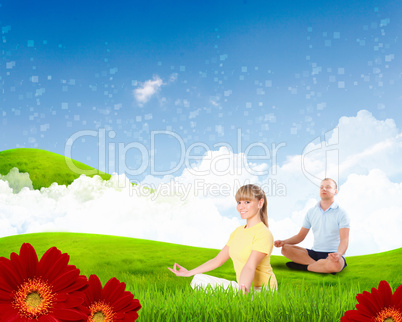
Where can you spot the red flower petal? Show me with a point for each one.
(94, 291)
(123, 302)
(113, 290)
(113, 296)
(61, 297)
(119, 316)
(135, 305)
(375, 304)
(397, 298)
(4, 285)
(4, 307)
(131, 316)
(69, 315)
(355, 316)
(71, 301)
(18, 266)
(369, 302)
(80, 284)
(385, 292)
(11, 316)
(5, 296)
(47, 259)
(53, 263)
(376, 297)
(58, 284)
(64, 280)
(9, 279)
(28, 259)
(47, 318)
(364, 310)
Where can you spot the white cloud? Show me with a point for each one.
(147, 89)
(16, 180)
(366, 148)
(198, 208)
(374, 204)
(359, 147)
(92, 205)
(356, 146)
(216, 177)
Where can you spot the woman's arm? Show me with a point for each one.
(215, 262)
(248, 271)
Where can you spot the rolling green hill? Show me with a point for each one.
(45, 167)
(142, 265)
(139, 259)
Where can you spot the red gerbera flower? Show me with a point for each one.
(45, 290)
(378, 306)
(112, 303)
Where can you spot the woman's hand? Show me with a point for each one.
(179, 270)
(243, 289)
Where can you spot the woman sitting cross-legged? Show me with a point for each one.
(249, 247)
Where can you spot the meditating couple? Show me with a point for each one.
(250, 246)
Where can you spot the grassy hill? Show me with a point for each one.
(136, 259)
(142, 265)
(45, 167)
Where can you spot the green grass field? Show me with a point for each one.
(45, 167)
(142, 265)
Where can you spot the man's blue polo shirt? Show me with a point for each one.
(326, 225)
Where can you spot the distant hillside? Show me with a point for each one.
(45, 167)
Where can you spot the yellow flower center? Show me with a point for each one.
(389, 314)
(33, 298)
(98, 317)
(100, 312)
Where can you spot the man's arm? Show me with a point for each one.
(294, 239)
(343, 245)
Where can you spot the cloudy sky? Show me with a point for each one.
(197, 98)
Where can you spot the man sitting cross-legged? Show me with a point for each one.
(330, 225)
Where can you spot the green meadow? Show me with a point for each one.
(142, 265)
(45, 167)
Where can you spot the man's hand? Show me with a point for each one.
(279, 243)
(334, 257)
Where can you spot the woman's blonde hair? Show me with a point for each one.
(252, 191)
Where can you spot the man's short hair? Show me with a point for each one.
(326, 179)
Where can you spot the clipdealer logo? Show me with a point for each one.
(326, 151)
(227, 163)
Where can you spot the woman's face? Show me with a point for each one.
(249, 208)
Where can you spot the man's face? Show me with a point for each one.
(327, 190)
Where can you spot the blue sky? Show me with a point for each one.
(197, 98)
(278, 71)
